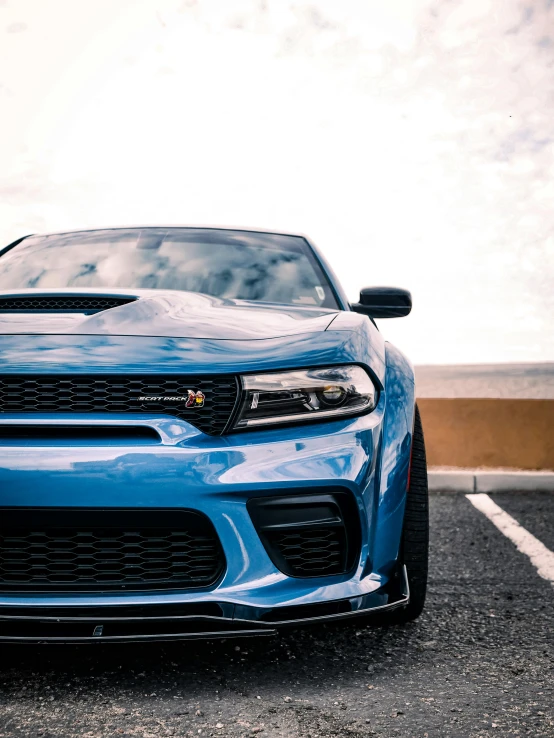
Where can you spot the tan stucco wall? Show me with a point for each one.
(484, 432)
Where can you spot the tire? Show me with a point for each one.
(414, 547)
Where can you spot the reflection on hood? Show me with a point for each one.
(173, 314)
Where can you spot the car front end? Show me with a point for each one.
(175, 464)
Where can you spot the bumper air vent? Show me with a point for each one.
(309, 535)
(61, 303)
(99, 550)
(101, 434)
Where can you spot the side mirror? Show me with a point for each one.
(383, 302)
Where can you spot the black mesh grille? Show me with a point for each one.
(98, 550)
(312, 552)
(100, 393)
(62, 304)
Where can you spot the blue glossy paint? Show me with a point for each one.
(61, 353)
(170, 332)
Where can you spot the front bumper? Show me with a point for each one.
(368, 457)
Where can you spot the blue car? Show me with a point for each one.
(201, 437)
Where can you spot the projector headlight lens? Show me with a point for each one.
(308, 394)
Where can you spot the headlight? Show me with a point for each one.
(308, 394)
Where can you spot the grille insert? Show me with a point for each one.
(102, 549)
(311, 553)
(101, 393)
(62, 303)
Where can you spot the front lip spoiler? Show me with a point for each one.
(213, 627)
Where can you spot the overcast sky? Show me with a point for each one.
(413, 141)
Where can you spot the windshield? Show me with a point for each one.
(238, 265)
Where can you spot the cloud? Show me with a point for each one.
(16, 28)
(413, 140)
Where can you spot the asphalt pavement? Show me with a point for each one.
(479, 662)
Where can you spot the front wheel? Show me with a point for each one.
(414, 547)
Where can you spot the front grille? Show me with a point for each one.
(101, 393)
(62, 304)
(49, 550)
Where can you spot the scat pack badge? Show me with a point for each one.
(191, 399)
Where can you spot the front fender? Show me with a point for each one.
(394, 458)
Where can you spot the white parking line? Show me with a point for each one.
(541, 557)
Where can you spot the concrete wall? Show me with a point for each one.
(473, 432)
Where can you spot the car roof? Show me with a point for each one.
(269, 231)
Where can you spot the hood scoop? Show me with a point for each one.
(88, 304)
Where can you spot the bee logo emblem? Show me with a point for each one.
(195, 399)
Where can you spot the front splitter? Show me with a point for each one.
(129, 625)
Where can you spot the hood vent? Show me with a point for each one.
(61, 303)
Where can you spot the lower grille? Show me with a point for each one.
(99, 550)
(132, 393)
(311, 553)
(309, 535)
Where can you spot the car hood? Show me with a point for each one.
(167, 313)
